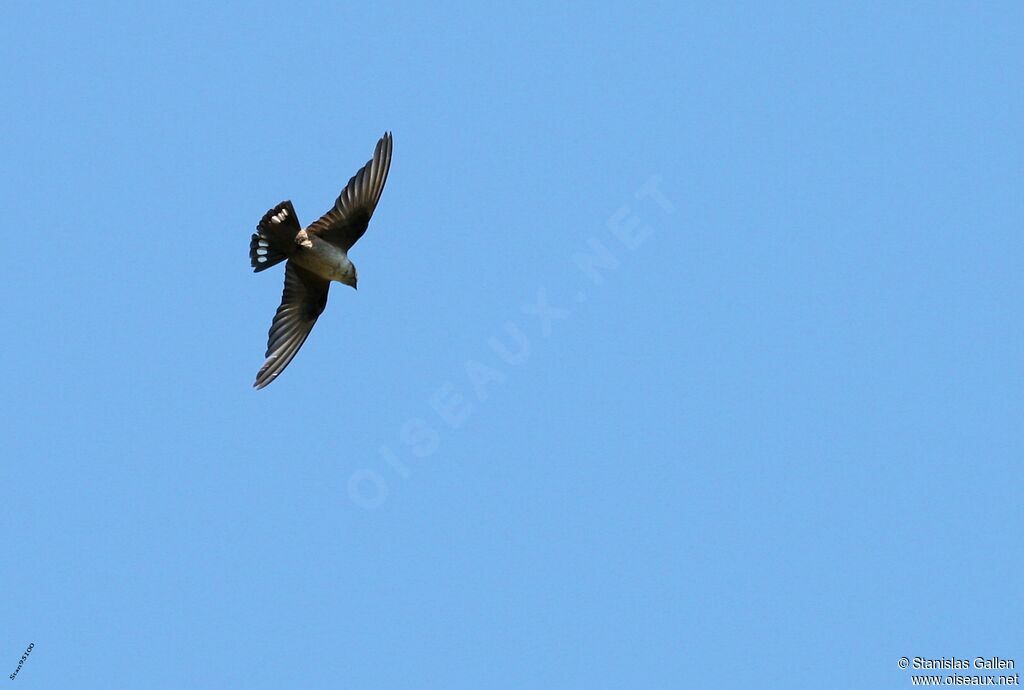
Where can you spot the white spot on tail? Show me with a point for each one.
(280, 216)
(261, 259)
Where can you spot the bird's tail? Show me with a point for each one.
(274, 237)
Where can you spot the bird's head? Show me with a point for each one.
(352, 279)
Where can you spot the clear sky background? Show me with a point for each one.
(772, 440)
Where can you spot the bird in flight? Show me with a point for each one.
(315, 256)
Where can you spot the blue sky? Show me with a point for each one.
(771, 439)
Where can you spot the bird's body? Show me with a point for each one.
(315, 256)
(325, 259)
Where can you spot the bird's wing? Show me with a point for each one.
(344, 224)
(304, 299)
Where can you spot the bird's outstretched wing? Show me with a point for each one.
(344, 224)
(304, 299)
